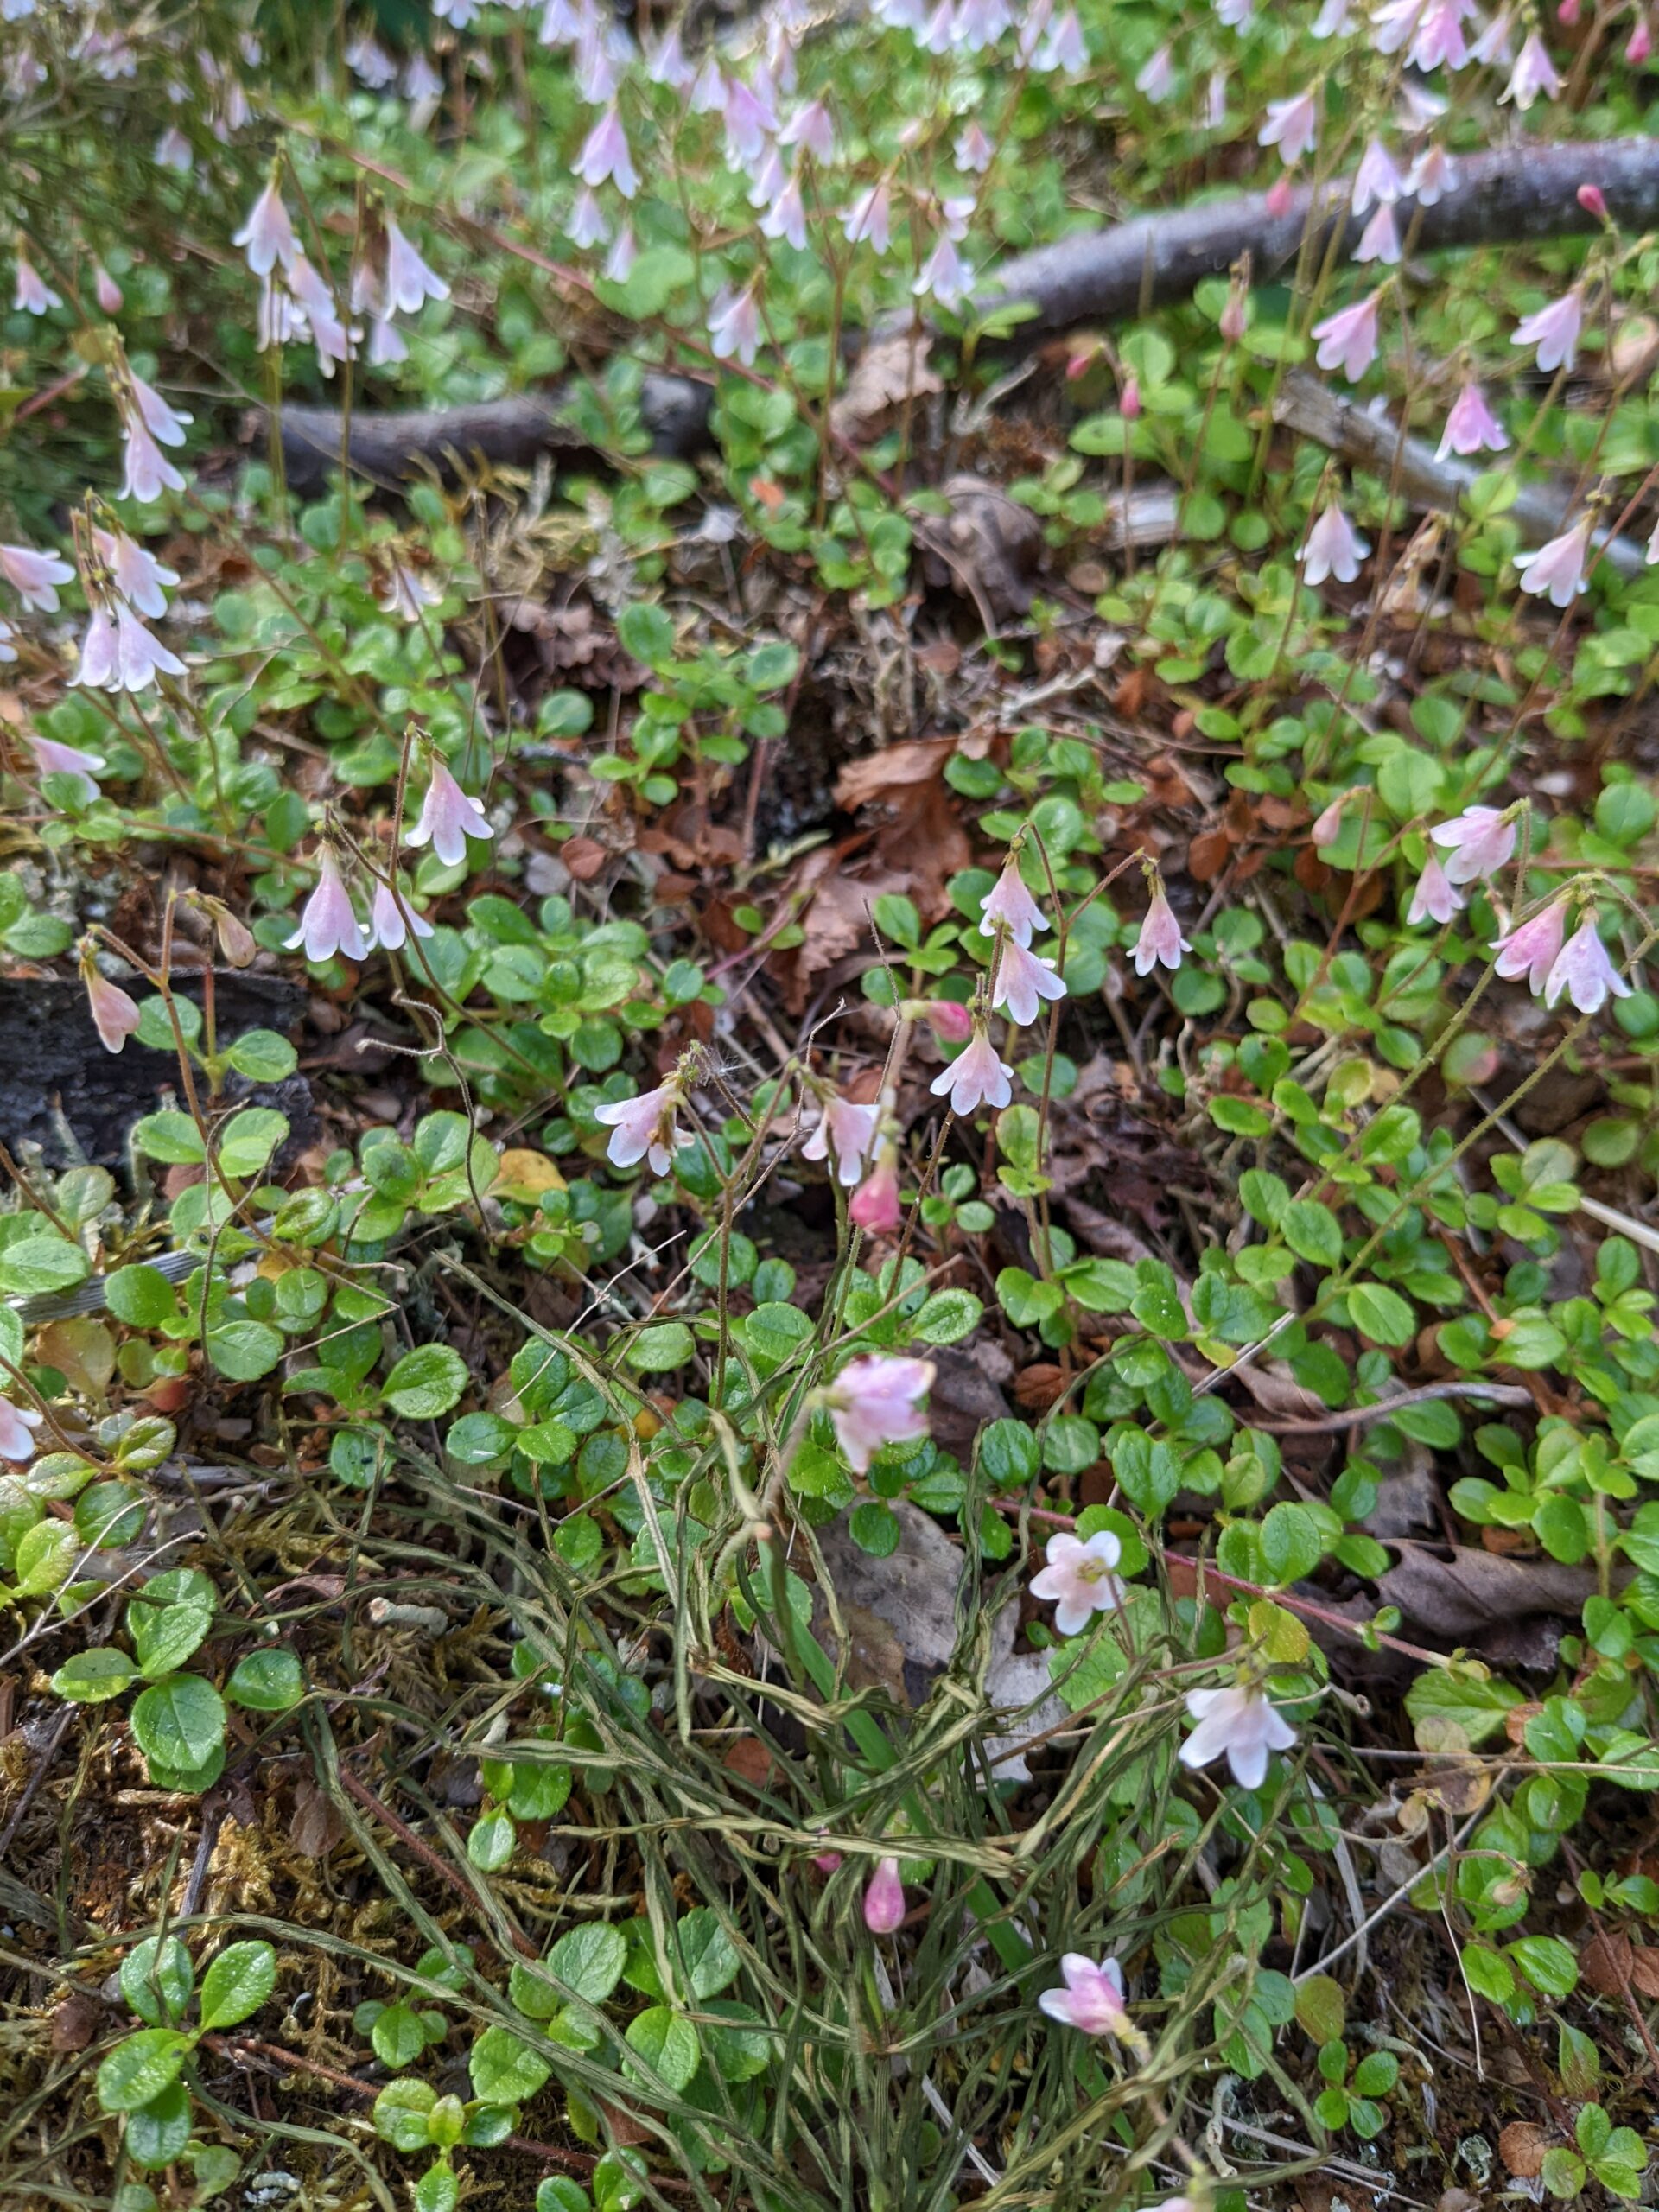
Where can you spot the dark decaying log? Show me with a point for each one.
(1094, 276)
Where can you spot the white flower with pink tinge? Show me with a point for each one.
(1478, 843)
(1471, 427)
(644, 1129)
(1333, 548)
(1157, 76)
(1553, 330)
(1433, 174)
(32, 295)
(1078, 1579)
(16, 1443)
(1555, 571)
(139, 577)
(449, 818)
(1534, 73)
(1582, 972)
(1092, 1999)
(1161, 938)
(605, 155)
(1292, 126)
(164, 422)
(409, 281)
(121, 655)
(149, 472)
(1380, 239)
(945, 275)
(34, 576)
(851, 1129)
(328, 921)
(1436, 898)
(1007, 905)
(734, 326)
(1348, 340)
(1024, 981)
(1377, 178)
(392, 918)
(1240, 1723)
(54, 758)
(976, 1077)
(268, 234)
(114, 1012)
(875, 1401)
(869, 219)
(1532, 948)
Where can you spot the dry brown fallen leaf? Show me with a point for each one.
(1521, 2146)
(885, 375)
(1454, 1591)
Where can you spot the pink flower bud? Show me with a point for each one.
(114, 1013)
(1591, 199)
(884, 1898)
(826, 1861)
(1279, 194)
(951, 1023)
(1129, 404)
(106, 291)
(1568, 13)
(873, 1206)
(1641, 44)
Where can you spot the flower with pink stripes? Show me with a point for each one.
(1582, 971)
(976, 1077)
(1471, 427)
(1531, 948)
(1347, 339)
(1332, 548)
(1553, 330)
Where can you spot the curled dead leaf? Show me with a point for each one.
(1522, 2147)
(1604, 1964)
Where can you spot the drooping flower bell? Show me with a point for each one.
(268, 234)
(1160, 939)
(1477, 843)
(1471, 427)
(1555, 571)
(1293, 126)
(328, 921)
(114, 1012)
(392, 919)
(1553, 330)
(1582, 971)
(1347, 339)
(1435, 897)
(1023, 982)
(1008, 904)
(1532, 947)
(850, 1129)
(976, 1077)
(34, 576)
(1332, 548)
(449, 818)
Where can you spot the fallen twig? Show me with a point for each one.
(1377, 442)
(1093, 276)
